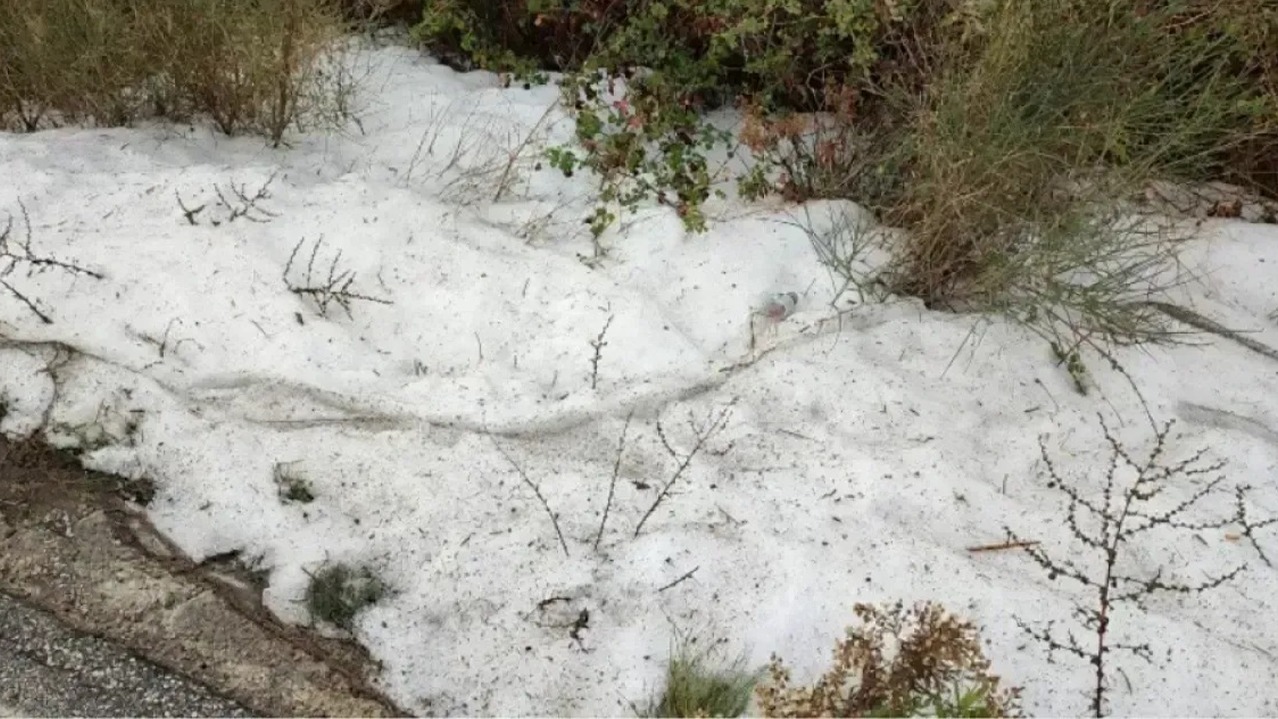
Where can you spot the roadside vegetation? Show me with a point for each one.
(1013, 141)
(250, 66)
(1014, 144)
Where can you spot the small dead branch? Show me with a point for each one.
(682, 578)
(703, 432)
(1001, 546)
(337, 287)
(612, 484)
(244, 205)
(15, 252)
(240, 204)
(508, 172)
(598, 344)
(536, 489)
(189, 213)
(1249, 527)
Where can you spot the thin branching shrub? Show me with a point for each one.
(1137, 509)
(249, 66)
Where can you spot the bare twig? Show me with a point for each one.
(685, 576)
(536, 489)
(335, 288)
(15, 252)
(612, 485)
(188, 212)
(507, 175)
(1002, 546)
(247, 206)
(1249, 527)
(598, 344)
(239, 204)
(712, 425)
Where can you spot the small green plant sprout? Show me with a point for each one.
(921, 661)
(338, 592)
(1134, 502)
(292, 486)
(696, 687)
(1073, 362)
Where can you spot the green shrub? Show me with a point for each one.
(641, 74)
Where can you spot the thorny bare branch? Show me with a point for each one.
(240, 204)
(703, 432)
(598, 344)
(1118, 515)
(335, 287)
(536, 489)
(15, 252)
(612, 484)
(1248, 526)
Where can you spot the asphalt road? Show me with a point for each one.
(49, 669)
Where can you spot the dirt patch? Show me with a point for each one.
(77, 543)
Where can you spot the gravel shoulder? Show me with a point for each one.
(101, 616)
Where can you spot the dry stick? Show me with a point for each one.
(554, 520)
(598, 343)
(612, 485)
(504, 181)
(1003, 545)
(707, 430)
(188, 212)
(684, 576)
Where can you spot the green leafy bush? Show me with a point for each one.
(641, 75)
(1004, 136)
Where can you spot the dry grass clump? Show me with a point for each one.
(920, 661)
(249, 65)
(1022, 158)
(71, 59)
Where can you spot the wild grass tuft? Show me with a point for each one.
(695, 687)
(1025, 158)
(338, 592)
